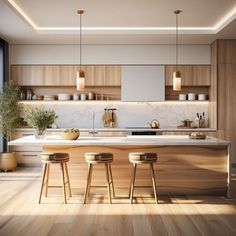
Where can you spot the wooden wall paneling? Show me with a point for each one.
(227, 104)
(51, 75)
(213, 88)
(14, 74)
(226, 51)
(226, 75)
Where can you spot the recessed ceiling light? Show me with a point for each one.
(212, 30)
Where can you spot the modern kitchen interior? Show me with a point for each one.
(117, 117)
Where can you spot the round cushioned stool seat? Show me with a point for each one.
(98, 157)
(55, 157)
(142, 157)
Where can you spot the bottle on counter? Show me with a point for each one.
(203, 120)
(197, 119)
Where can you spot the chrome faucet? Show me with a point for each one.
(93, 132)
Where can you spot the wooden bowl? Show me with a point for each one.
(70, 135)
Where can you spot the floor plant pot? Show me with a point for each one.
(8, 161)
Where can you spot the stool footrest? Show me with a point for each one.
(139, 186)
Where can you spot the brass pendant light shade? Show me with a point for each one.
(177, 73)
(80, 76)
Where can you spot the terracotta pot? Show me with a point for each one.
(8, 161)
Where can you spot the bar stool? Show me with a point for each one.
(142, 158)
(55, 158)
(99, 158)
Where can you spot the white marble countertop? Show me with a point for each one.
(128, 129)
(162, 140)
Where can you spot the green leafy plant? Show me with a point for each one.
(10, 109)
(40, 118)
(72, 130)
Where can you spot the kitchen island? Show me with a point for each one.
(184, 166)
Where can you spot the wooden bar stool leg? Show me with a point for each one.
(132, 183)
(154, 183)
(88, 182)
(108, 184)
(68, 179)
(111, 178)
(42, 184)
(63, 182)
(47, 179)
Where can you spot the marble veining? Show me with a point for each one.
(129, 114)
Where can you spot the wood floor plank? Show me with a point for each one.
(21, 215)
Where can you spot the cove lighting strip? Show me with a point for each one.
(230, 16)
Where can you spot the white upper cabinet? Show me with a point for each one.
(142, 83)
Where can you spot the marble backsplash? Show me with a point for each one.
(129, 114)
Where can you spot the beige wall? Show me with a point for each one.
(110, 54)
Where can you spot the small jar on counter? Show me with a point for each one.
(91, 96)
(83, 96)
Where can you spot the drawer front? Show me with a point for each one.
(28, 158)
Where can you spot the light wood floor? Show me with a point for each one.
(20, 213)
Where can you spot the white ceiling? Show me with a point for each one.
(116, 21)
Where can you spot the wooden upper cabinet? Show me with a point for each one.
(65, 75)
(68, 75)
(95, 75)
(51, 75)
(27, 75)
(113, 75)
(201, 75)
(192, 75)
(102, 75)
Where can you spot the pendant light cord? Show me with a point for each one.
(80, 46)
(177, 42)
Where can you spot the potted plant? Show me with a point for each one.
(10, 119)
(40, 119)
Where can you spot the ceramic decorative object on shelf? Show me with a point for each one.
(40, 119)
(202, 97)
(70, 134)
(191, 96)
(182, 97)
(63, 96)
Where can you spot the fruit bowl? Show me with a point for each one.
(70, 134)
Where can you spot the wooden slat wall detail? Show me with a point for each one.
(213, 88)
(180, 170)
(226, 91)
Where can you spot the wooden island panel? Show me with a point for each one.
(179, 170)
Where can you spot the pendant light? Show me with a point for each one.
(177, 72)
(80, 76)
